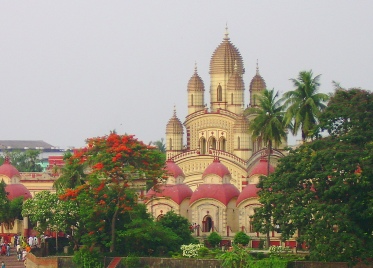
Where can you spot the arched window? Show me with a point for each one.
(160, 216)
(222, 144)
(232, 98)
(238, 143)
(219, 93)
(170, 143)
(202, 145)
(212, 143)
(191, 99)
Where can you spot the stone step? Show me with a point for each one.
(11, 261)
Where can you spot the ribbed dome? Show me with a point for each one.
(221, 192)
(8, 169)
(195, 82)
(174, 125)
(17, 190)
(241, 125)
(173, 170)
(177, 192)
(216, 168)
(261, 168)
(257, 83)
(224, 58)
(250, 191)
(235, 82)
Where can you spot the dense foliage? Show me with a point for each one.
(322, 191)
(24, 161)
(241, 238)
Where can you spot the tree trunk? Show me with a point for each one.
(268, 168)
(113, 222)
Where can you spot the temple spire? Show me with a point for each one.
(257, 67)
(226, 35)
(195, 67)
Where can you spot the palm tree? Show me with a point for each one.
(304, 104)
(269, 126)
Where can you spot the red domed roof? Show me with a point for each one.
(177, 192)
(8, 169)
(17, 190)
(221, 192)
(250, 191)
(173, 170)
(217, 168)
(261, 168)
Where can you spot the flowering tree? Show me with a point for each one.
(111, 164)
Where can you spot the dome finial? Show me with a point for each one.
(226, 37)
(257, 67)
(174, 110)
(195, 67)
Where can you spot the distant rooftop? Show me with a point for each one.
(25, 144)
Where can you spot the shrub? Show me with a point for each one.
(214, 239)
(131, 262)
(87, 259)
(191, 250)
(241, 238)
(203, 251)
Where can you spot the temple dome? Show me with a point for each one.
(235, 82)
(17, 190)
(8, 169)
(261, 168)
(195, 82)
(241, 125)
(174, 125)
(221, 192)
(217, 168)
(250, 191)
(225, 56)
(257, 83)
(177, 192)
(173, 169)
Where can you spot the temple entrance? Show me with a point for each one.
(207, 224)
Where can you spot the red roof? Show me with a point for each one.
(250, 191)
(173, 170)
(216, 168)
(177, 192)
(17, 190)
(261, 168)
(8, 170)
(221, 192)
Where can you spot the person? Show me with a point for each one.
(19, 254)
(8, 249)
(2, 264)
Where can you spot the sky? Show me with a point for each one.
(71, 70)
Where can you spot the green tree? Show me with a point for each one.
(241, 238)
(24, 161)
(323, 190)
(72, 173)
(214, 239)
(179, 225)
(4, 202)
(111, 163)
(269, 126)
(160, 145)
(304, 104)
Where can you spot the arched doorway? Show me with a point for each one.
(212, 143)
(202, 145)
(207, 224)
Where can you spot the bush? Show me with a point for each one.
(203, 251)
(214, 239)
(241, 238)
(88, 259)
(131, 262)
(191, 250)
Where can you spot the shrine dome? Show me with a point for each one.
(176, 192)
(195, 82)
(221, 192)
(17, 190)
(224, 58)
(172, 169)
(250, 191)
(8, 169)
(217, 168)
(261, 168)
(174, 125)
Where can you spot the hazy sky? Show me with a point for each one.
(70, 70)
